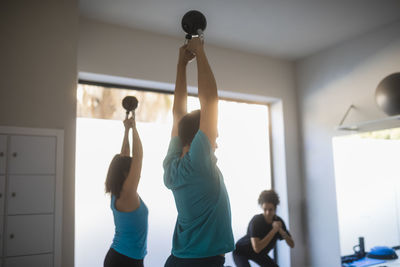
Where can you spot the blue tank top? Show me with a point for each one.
(130, 238)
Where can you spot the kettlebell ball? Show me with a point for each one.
(129, 103)
(193, 23)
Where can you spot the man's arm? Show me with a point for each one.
(179, 108)
(208, 94)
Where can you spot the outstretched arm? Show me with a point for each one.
(129, 197)
(125, 150)
(179, 108)
(208, 94)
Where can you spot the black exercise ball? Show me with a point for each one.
(387, 94)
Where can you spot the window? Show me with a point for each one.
(243, 157)
(368, 189)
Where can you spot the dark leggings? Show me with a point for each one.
(216, 261)
(242, 259)
(115, 259)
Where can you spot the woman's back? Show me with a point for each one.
(131, 228)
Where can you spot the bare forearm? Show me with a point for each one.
(287, 238)
(290, 242)
(132, 181)
(129, 189)
(137, 149)
(180, 96)
(125, 150)
(206, 80)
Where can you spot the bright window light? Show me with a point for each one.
(243, 157)
(368, 189)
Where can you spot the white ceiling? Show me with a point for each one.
(287, 29)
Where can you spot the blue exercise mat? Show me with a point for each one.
(364, 262)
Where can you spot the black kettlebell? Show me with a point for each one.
(387, 94)
(194, 23)
(129, 103)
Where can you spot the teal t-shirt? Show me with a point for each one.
(130, 238)
(203, 227)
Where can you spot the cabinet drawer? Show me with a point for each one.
(29, 234)
(45, 260)
(1, 235)
(2, 193)
(30, 194)
(3, 153)
(32, 155)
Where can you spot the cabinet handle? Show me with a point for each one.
(12, 236)
(14, 154)
(13, 194)
(1, 195)
(1, 154)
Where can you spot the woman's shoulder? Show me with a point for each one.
(277, 218)
(128, 204)
(257, 218)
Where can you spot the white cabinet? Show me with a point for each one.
(30, 194)
(30, 197)
(45, 260)
(2, 197)
(32, 155)
(29, 234)
(1, 235)
(3, 153)
(2, 193)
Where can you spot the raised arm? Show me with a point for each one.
(129, 199)
(125, 149)
(208, 94)
(179, 108)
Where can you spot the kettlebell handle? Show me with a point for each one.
(200, 34)
(127, 114)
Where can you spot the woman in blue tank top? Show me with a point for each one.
(130, 213)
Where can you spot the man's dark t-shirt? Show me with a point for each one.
(259, 228)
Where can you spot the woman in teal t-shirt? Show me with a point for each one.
(130, 213)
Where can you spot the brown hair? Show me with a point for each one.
(269, 196)
(188, 127)
(117, 173)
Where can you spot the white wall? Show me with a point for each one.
(119, 51)
(328, 83)
(38, 66)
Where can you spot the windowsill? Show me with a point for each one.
(372, 125)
